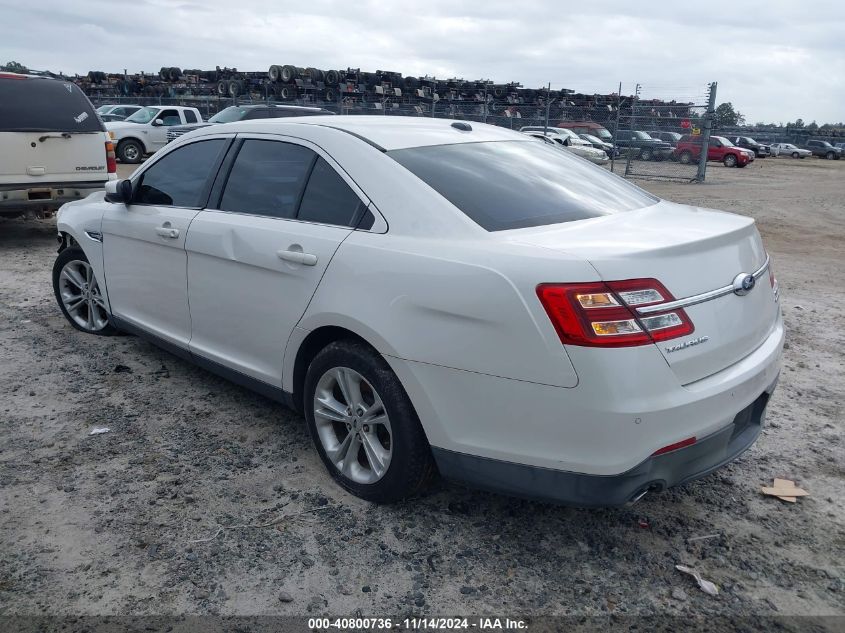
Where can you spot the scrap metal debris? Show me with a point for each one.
(705, 585)
(98, 430)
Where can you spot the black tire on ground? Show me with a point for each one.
(411, 465)
(730, 160)
(685, 158)
(130, 151)
(830, 156)
(646, 154)
(74, 253)
(795, 155)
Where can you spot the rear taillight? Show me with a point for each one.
(111, 162)
(773, 282)
(603, 314)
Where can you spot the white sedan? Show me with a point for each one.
(441, 296)
(788, 149)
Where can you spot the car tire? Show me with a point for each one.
(730, 160)
(382, 462)
(78, 293)
(685, 158)
(795, 155)
(830, 156)
(646, 154)
(130, 152)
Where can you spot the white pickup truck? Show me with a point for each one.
(145, 132)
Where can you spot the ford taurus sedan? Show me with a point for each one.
(441, 296)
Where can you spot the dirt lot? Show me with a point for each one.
(104, 524)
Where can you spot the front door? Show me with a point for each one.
(255, 261)
(144, 241)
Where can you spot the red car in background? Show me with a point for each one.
(720, 149)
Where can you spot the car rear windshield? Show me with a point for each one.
(504, 185)
(45, 105)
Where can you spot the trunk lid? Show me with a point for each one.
(690, 251)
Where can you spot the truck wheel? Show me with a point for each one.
(830, 156)
(274, 72)
(332, 77)
(288, 73)
(730, 160)
(685, 158)
(794, 154)
(78, 293)
(130, 151)
(363, 424)
(646, 154)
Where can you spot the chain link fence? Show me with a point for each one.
(639, 131)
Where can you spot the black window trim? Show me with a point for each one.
(225, 169)
(209, 181)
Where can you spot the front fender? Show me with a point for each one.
(81, 221)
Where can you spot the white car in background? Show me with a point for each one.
(53, 148)
(116, 111)
(436, 294)
(788, 149)
(145, 132)
(571, 142)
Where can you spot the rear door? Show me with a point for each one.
(49, 133)
(144, 242)
(255, 260)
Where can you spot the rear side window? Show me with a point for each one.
(268, 178)
(180, 178)
(514, 184)
(328, 199)
(190, 117)
(45, 105)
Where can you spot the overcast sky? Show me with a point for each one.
(775, 60)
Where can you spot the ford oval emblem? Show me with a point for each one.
(743, 284)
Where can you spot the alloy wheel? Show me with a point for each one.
(81, 296)
(353, 425)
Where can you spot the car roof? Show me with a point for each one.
(385, 132)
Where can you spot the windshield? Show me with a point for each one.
(603, 134)
(504, 185)
(724, 141)
(144, 115)
(227, 115)
(825, 144)
(591, 138)
(103, 109)
(644, 136)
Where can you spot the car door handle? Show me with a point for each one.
(298, 257)
(166, 231)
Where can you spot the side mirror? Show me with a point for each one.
(119, 191)
(158, 123)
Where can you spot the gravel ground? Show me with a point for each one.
(112, 523)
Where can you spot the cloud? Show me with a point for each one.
(775, 60)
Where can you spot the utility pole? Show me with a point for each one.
(633, 125)
(616, 128)
(486, 82)
(548, 105)
(705, 137)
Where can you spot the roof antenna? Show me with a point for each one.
(462, 126)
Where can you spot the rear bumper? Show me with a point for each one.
(655, 473)
(48, 196)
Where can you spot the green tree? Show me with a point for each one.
(15, 67)
(728, 116)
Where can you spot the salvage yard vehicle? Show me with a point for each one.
(577, 146)
(596, 142)
(117, 112)
(145, 132)
(247, 113)
(53, 148)
(760, 150)
(719, 149)
(788, 149)
(643, 146)
(441, 295)
(823, 149)
(587, 127)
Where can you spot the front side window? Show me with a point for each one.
(169, 117)
(328, 199)
(268, 178)
(504, 185)
(180, 178)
